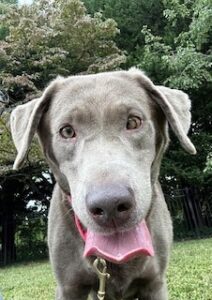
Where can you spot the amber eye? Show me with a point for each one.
(133, 123)
(67, 132)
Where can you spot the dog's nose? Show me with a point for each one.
(110, 205)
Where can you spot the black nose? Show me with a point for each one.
(110, 205)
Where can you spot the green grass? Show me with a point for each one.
(190, 271)
(30, 281)
(189, 275)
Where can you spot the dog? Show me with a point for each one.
(103, 136)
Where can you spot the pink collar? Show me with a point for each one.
(78, 224)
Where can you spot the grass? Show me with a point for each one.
(190, 271)
(189, 275)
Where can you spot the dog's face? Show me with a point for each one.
(103, 136)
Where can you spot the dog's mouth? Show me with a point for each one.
(118, 247)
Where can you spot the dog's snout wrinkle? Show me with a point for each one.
(110, 205)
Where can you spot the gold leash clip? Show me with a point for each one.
(100, 267)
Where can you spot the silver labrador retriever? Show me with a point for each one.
(104, 136)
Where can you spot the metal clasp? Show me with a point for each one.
(100, 267)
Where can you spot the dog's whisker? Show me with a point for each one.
(69, 211)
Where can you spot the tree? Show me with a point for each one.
(50, 38)
(130, 16)
(4, 7)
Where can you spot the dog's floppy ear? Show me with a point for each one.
(174, 104)
(24, 121)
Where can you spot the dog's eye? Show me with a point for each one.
(67, 132)
(133, 123)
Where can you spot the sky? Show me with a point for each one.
(20, 2)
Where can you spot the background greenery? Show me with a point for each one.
(169, 40)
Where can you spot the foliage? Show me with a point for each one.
(208, 168)
(183, 52)
(24, 201)
(50, 38)
(31, 238)
(130, 17)
(4, 7)
(189, 275)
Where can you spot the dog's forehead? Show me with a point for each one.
(100, 91)
(99, 86)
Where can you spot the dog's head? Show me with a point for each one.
(103, 136)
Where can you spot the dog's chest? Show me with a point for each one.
(121, 290)
(123, 282)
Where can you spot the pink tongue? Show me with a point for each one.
(120, 247)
